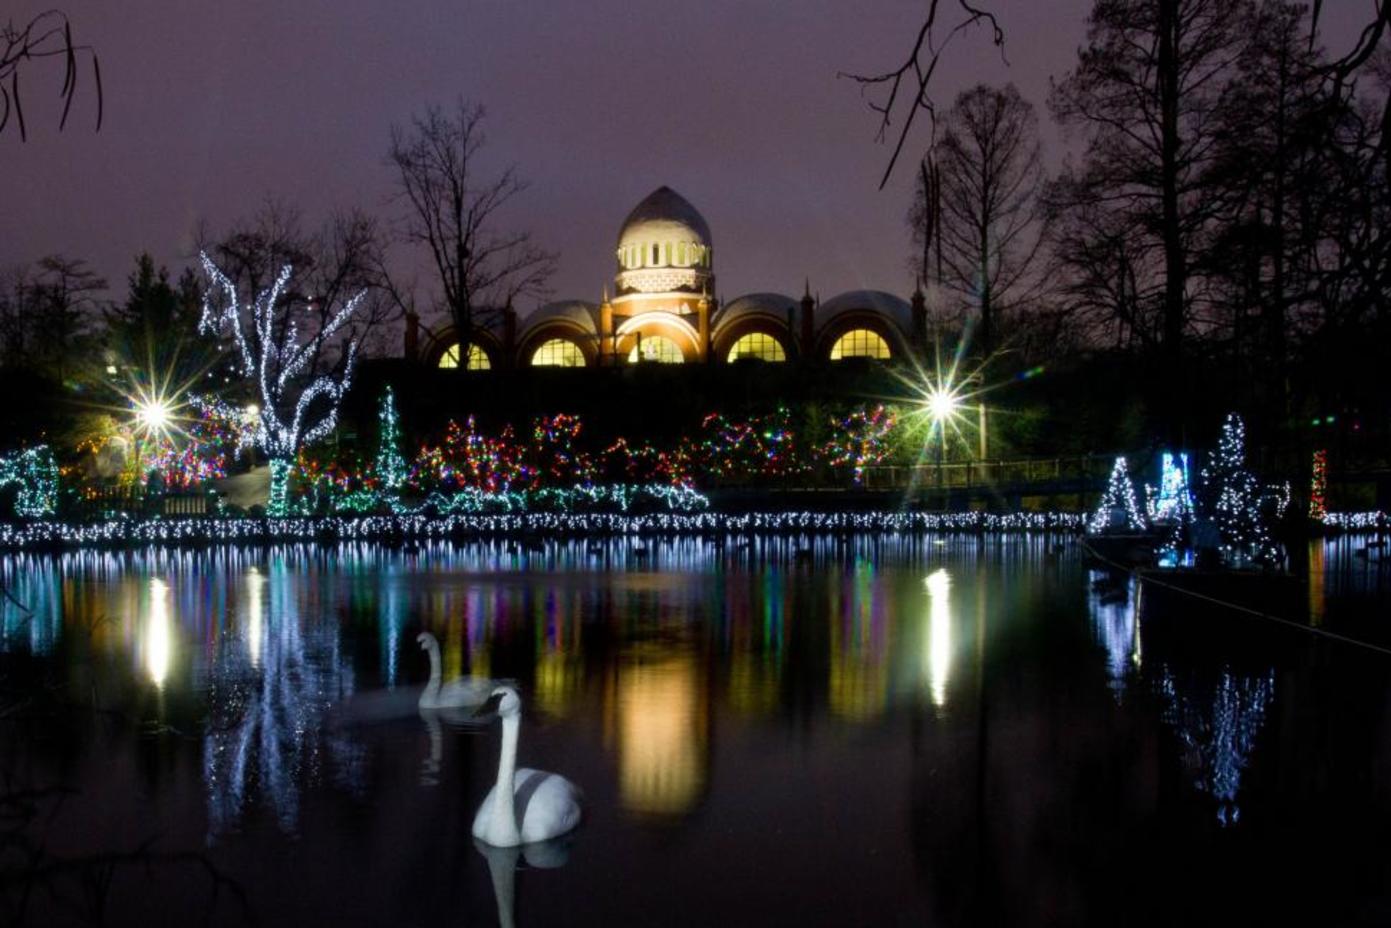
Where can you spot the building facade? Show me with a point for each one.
(663, 311)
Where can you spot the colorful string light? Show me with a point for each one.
(1318, 487)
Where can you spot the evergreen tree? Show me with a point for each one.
(1118, 498)
(1235, 500)
(153, 336)
(390, 466)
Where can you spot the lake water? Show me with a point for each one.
(866, 732)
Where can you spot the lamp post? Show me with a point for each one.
(942, 404)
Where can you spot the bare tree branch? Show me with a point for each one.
(47, 35)
(917, 69)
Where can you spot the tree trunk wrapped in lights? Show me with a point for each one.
(298, 406)
(1318, 487)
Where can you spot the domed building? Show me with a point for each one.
(663, 310)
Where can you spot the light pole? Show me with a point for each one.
(942, 404)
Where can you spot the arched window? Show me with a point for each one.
(477, 358)
(558, 352)
(657, 349)
(860, 343)
(759, 346)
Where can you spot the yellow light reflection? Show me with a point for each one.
(939, 644)
(255, 620)
(662, 733)
(1316, 581)
(158, 633)
(859, 679)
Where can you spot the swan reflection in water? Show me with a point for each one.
(503, 863)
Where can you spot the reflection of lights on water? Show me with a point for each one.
(157, 632)
(661, 734)
(1217, 723)
(938, 655)
(255, 623)
(859, 684)
(1115, 613)
(1316, 581)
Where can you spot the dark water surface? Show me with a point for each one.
(871, 732)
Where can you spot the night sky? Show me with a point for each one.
(211, 107)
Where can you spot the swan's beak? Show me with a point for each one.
(489, 707)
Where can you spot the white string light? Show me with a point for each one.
(1120, 493)
(276, 364)
(197, 531)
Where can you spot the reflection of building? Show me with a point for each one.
(664, 310)
(663, 727)
(859, 652)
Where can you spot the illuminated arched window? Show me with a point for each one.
(759, 346)
(657, 349)
(860, 343)
(477, 358)
(558, 352)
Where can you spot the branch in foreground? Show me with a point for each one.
(918, 68)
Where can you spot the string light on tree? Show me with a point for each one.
(389, 466)
(1318, 487)
(297, 407)
(1237, 499)
(36, 473)
(1118, 498)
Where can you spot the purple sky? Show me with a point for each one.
(210, 107)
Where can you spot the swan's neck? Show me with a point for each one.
(434, 651)
(505, 827)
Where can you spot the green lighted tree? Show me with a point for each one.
(389, 465)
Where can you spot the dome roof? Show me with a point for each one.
(776, 305)
(664, 216)
(577, 312)
(876, 301)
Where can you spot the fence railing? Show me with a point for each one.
(99, 502)
(971, 474)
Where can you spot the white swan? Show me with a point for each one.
(463, 693)
(536, 805)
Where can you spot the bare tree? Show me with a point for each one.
(1147, 92)
(904, 91)
(339, 259)
(298, 403)
(454, 211)
(47, 35)
(988, 223)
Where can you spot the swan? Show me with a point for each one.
(462, 693)
(543, 805)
